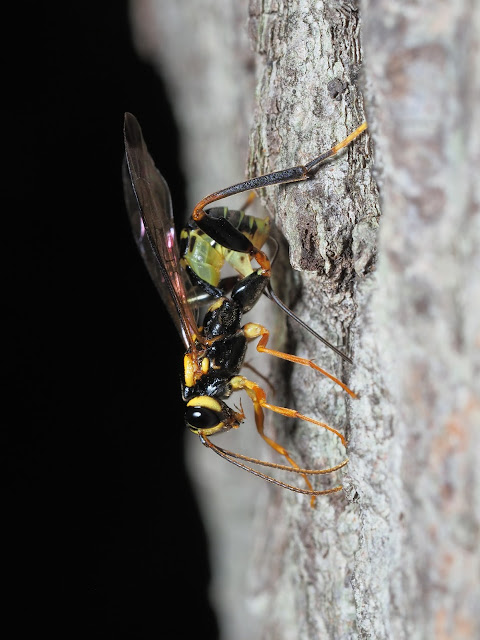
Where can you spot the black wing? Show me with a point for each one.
(149, 207)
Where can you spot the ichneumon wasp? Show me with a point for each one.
(189, 277)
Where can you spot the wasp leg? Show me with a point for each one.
(253, 330)
(223, 232)
(250, 366)
(259, 400)
(313, 165)
(284, 176)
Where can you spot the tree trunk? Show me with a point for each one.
(394, 555)
(422, 65)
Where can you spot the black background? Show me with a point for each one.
(103, 538)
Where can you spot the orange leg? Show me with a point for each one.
(262, 260)
(253, 330)
(292, 174)
(291, 413)
(258, 398)
(247, 365)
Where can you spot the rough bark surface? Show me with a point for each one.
(422, 65)
(396, 554)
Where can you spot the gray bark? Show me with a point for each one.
(395, 555)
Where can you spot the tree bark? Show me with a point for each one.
(395, 555)
(422, 63)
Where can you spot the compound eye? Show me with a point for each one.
(201, 418)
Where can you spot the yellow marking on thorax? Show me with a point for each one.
(189, 370)
(217, 304)
(252, 330)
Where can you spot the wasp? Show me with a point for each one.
(207, 310)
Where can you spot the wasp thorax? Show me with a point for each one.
(223, 318)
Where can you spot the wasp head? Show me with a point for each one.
(206, 416)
